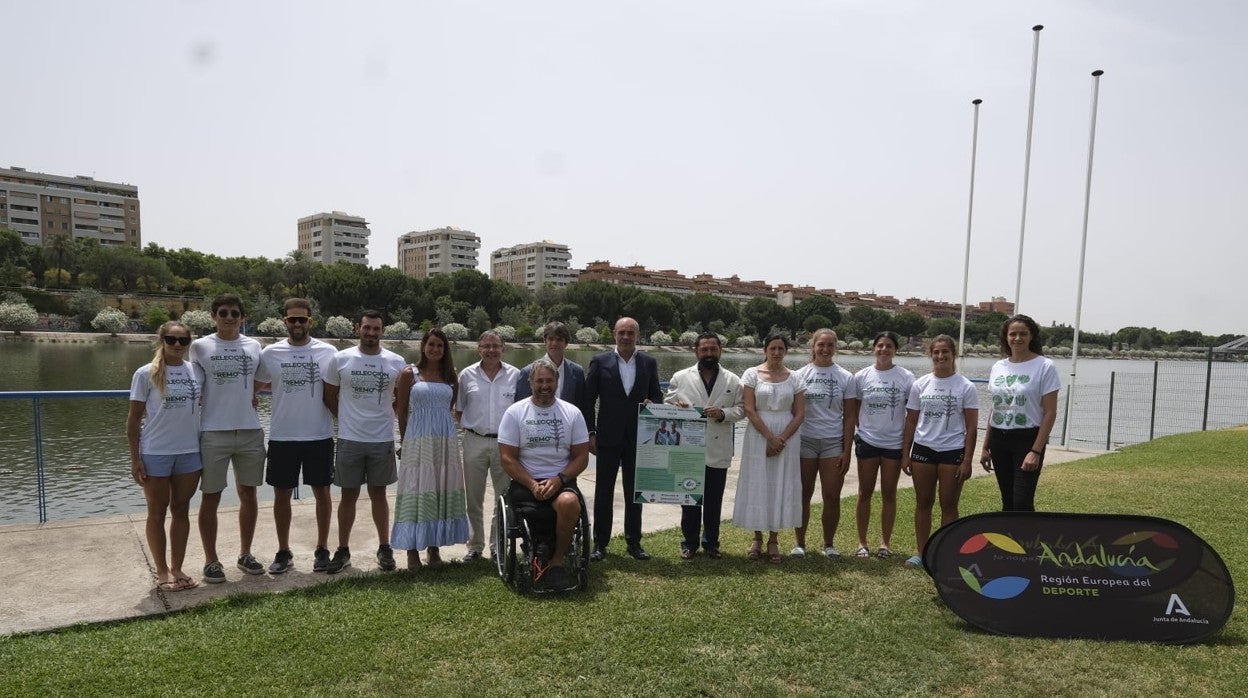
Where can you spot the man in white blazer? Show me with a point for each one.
(718, 391)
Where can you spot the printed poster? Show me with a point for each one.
(671, 455)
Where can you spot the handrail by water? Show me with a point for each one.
(36, 397)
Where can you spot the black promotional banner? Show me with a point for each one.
(1093, 576)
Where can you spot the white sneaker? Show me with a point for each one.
(798, 552)
(832, 553)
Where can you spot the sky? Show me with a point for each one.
(823, 143)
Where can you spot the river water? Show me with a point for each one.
(88, 463)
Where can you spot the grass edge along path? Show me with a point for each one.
(667, 627)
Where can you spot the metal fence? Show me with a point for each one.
(1135, 407)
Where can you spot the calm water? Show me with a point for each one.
(88, 462)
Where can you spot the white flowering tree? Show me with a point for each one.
(17, 316)
(586, 335)
(688, 339)
(200, 322)
(660, 338)
(271, 327)
(747, 341)
(340, 327)
(110, 320)
(398, 330)
(507, 332)
(455, 331)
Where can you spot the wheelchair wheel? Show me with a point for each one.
(580, 558)
(504, 541)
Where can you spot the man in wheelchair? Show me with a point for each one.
(544, 444)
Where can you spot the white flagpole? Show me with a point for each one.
(970, 207)
(1083, 247)
(1031, 110)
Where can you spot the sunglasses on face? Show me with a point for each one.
(297, 319)
(229, 313)
(171, 340)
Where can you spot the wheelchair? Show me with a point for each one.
(518, 553)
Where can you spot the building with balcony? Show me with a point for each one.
(333, 237)
(533, 264)
(425, 253)
(671, 281)
(43, 206)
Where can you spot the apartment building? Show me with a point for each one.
(672, 281)
(425, 253)
(330, 237)
(43, 206)
(533, 264)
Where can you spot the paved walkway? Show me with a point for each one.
(89, 570)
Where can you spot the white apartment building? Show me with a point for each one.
(330, 237)
(425, 253)
(533, 264)
(43, 206)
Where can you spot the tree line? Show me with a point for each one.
(472, 299)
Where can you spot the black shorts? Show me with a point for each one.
(922, 454)
(540, 515)
(865, 450)
(286, 458)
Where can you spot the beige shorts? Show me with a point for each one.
(245, 447)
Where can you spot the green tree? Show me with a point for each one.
(84, 304)
(865, 322)
(594, 299)
(703, 309)
(945, 325)
(762, 314)
(155, 316)
(909, 324)
(818, 305)
(652, 311)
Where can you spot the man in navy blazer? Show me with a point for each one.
(618, 380)
(570, 383)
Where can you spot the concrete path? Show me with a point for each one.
(88, 570)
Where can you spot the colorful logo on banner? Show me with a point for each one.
(1081, 575)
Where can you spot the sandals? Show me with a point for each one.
(178, 584)
(773, 553)
(883, 553)
(755, 551)
(862, 552)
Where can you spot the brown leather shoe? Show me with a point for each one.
(687, 554)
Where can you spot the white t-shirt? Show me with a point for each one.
(1016, 390)
(940, 403)
(545, 435)
(825, 400)
(365, 393)
(229, 381)
(299, 411)
(483, 401)
(882, 415)
(171, 424)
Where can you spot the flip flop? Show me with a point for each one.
(170, 586)
(186, 583)
(883, 553)
(862, 552)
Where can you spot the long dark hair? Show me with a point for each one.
(447, 365)
(1035, 345)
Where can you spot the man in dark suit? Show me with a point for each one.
(618, 380)
(570, 381)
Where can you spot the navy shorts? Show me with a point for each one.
(287, 458)
(922, 454)
(865, 450)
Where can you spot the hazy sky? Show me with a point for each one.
(823, 143)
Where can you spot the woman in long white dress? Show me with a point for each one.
(769, 487)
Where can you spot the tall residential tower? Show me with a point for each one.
(329, 237)
(43, 206)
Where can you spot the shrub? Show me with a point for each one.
(524, 333)
(271, 327)
(688, 339)
(455, 331)
(398, 330)
(340, 327)
(747, 341)
(200, 322)
(84, 304)
(110, 320)
(586, 335)
(155, 317)
(660, 338)
(507, 332)
(17, 316)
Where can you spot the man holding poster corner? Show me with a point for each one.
(718, 392)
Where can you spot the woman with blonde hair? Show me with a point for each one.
(823, 453)
(164, 451)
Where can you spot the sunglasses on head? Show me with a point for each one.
(297, 319)
(171, 340)
(229, 313)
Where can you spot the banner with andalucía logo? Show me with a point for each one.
(1093, 576)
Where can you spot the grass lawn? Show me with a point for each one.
(666, 627)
